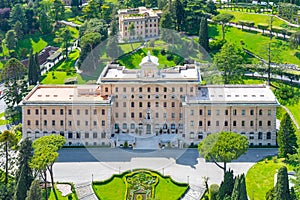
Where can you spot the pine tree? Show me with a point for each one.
(203, 34)
(236, 189)
(227, 185)
(293, 195)
(287, 140)
(35, 191)
(243, 190)
(282, 191)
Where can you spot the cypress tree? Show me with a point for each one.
(31, 68)
(37, 67)
(282, 191)
(35, 191)
(287, 140)
(227, 185)
(236, 189)
(293, 195)
(203, 34)
(243, 190)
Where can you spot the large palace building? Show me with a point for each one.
(149, 106)
(145, 21)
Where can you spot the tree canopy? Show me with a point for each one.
(223, 147)
(223, 19)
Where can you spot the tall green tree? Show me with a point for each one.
(64, 36)
(229, 61)
(18, 14)
(18, 30)
(11, 40)
(227, 185)
(239, 191)
(223, 147)
(203, 34)
(45, 154)
(223, 19)
(131, 30)
(87, 43)
(287, 140)
(282, 190)
(93, 9)
(7, 141)
(295, 40)
(45, 23)
(112, 49)
(211, 7)
(179, 13)
(35, 191)
(57, 10)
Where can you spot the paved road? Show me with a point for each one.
(183, 165)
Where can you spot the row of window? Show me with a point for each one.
(260, 135)
(149, 96)
(77, 135)
(141, 21)
(234, 112)
(61, 123)
(140, 126)
(149, 89)
(61, 111)
(140, 115)
(234, 123)
(140, 104)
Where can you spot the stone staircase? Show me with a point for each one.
(85, 191)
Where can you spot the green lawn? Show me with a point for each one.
(167, 190)
(69, 65)
(115, 188)
(260, 177)
(256, 18)
(59, 195)
(295, 111)
(133, 61)
(256, 43)
(126, 48)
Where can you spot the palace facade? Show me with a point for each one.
(145, 20)
(167, 106)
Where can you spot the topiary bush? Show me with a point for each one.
(213, 191)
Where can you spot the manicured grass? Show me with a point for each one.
(256, 18)
(256, 43)
(133, 61)
(295, 111)
(127, 47)
(75, 21)
(260, 177)
(250, 81)
(167, 190)
(69, 65)
(115, 189)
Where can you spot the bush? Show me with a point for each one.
(125, 144)
(163, 52)
(213, 191)
(170, 57)
(216, 45)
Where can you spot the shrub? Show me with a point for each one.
(213, 191)
(170, 57)
(216, 45)
(125, 144)
(163, 52)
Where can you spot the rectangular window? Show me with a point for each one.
(192, 123)
(132, 89)
(117, 115)
(148, 89)
(45, 111)
(165, 115)
(140, 89)
(173, 115)
(192, 112)
(234, 123)
(140, 115)
(36, 111)
(106, 89)
(61, 112)
(251, 123)
(165, 89)
(95, 111)
(61, 122)
(86, 111)
(95, 123)
(260, 135)
(132, 115)
(132, 104)
(226, 112)
(173, 105)
(269, 123)
(217, 123)
(208, 123)
(180, 115)
(226, 123)
(78, 135)
(191, 89)
(217, 112)
(36, 122)
(156, 89)
(208, 112)
(45, 122)
(70, 112)
(95, 134)
(200, 112)
(53, 111)
(156, 104)
(173, 89)
(260, 123)
(124, 115)
(243, 123)
(53, 122)
(103, 111)
(234, 112)
(124, 89)
(103, 123)
(165, 104)
(117, 104)
(268, 135)
(70, 135)
(28, 122)
(181, 89)
(117, 89)
(70, 123)
(251, 112)
(156, 115)
(124, 104)
(140, 104)
(200, 123)
(243, 112)
(269, 112)
(86, 123)
(28, 111)
(86, 135)
(78, 122)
